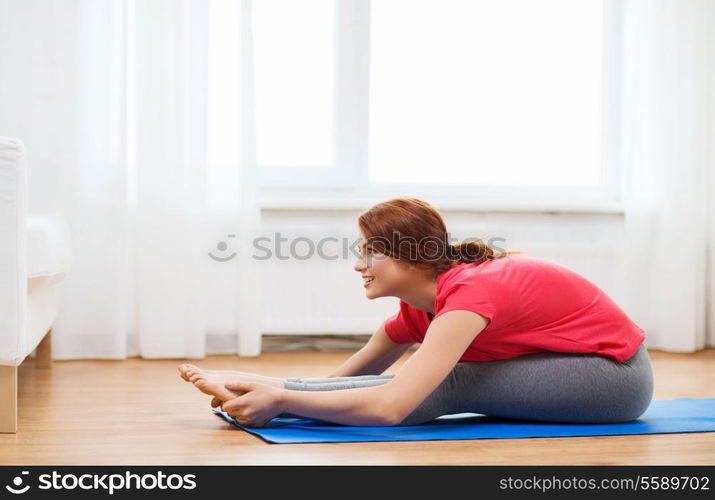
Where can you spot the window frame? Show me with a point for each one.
(347, 176)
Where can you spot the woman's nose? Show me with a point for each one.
(360, 265)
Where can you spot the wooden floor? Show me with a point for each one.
(140, 412)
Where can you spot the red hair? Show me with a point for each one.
(411, 229)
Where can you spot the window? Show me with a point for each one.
(485, 92)
(464, 98)
(295, 79)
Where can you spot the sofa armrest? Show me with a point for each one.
(13, 253)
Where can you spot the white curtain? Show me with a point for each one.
(668, 145)
(115, 101)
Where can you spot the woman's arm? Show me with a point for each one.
(373, 358)
(447, 338)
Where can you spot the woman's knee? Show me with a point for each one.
(445, 399)
(629, 398)
(642, 396)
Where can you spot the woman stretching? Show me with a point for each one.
(501, 334)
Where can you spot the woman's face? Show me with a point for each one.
(382, 275)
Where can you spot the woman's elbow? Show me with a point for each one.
(390, 412)
(386, 418)
(394, 419)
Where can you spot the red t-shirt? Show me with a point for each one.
(532, 305)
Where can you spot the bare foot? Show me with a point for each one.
(192, 373)
(212, 382)
(187, 370)
(217, 390)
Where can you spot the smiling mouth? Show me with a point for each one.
(366, 280)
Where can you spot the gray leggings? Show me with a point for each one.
(548, 387)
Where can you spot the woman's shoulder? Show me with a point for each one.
(509, 273)
(488, 266)
(496, 272)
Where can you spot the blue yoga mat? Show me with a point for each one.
(662, 417)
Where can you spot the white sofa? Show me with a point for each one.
(34, 260)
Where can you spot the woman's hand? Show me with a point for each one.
(257, 404)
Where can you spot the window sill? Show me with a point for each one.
(286, 203)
